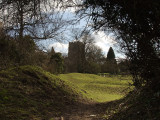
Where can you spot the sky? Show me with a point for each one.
(103, 40)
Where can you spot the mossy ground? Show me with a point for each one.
(143, 104)
(29, 92)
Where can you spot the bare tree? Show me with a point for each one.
(37, 18)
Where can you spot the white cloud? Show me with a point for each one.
(100, 36)
(103, 41)
(103, 46)
(59, 47)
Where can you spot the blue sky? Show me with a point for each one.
(103, 40)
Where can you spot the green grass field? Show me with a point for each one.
(97, 88)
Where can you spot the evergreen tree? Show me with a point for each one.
(52, 51)
(110, 55)
(110, 66)
(57, 60)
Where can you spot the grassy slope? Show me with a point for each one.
(137, 105)
(98, 88)
(30, 93)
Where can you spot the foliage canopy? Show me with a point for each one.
(137, 26)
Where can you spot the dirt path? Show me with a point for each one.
(89, 111)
